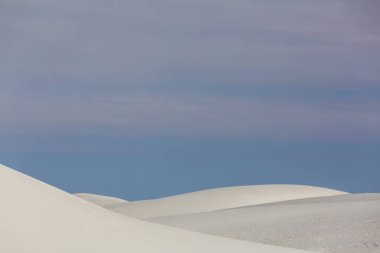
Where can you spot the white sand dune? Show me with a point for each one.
(337, 224)
(38, 218)
(100, 200)
(221, 198)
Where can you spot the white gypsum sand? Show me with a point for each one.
(38, 218)
(100, 200)
(337, 224)
(221, 198)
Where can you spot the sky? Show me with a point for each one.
(143, 99)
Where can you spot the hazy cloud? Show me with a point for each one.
(214, 42)
(176, 67)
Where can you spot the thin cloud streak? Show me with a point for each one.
(179, 114)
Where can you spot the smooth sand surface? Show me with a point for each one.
(100, 200)
(338, 224)
(222, 198)
(38, 218)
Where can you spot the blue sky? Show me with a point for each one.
(142, 99)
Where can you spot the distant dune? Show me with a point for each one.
(340, 224)
(100, 200)
(222, 198)
(38, 218)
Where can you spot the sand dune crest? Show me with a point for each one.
(38, 218)
(221, 198)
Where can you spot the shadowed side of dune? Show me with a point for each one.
(100, 200)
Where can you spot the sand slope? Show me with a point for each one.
(38, 218)
(222, 198)
(340, 224)
(100, 200)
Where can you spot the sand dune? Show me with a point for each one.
(222, 198)
(338, 224)
(38, 218)
(100, 200)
